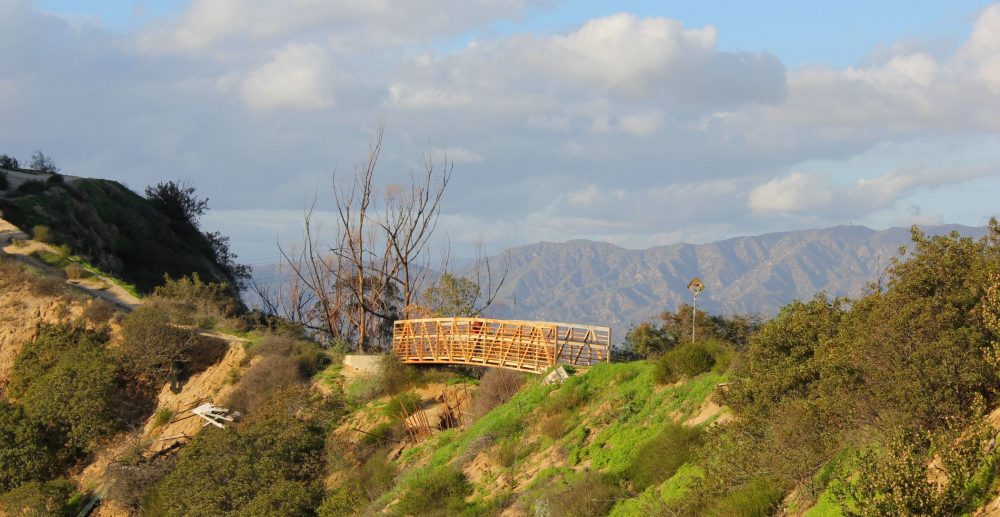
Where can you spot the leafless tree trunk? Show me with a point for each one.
(378, 259)
(410, 219)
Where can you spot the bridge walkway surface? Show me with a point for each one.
(529, 346)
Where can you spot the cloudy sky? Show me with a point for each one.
(635, 122)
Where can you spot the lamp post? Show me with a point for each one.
(696, 287)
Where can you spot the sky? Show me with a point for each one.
(640, 123)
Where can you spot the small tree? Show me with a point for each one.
(648, 340)
(8, 162)
(177, 200)
(453, 296)
(43, 163)
(152, 348)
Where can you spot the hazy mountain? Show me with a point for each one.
(594, 282)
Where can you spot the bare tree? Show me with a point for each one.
(409, 220)
(355, 286)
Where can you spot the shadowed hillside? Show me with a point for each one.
(117, 230)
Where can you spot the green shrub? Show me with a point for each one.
(511, 450)
(440, 491)
(233, 375)
(4, 184)
(647, 340)
(361, 390)
(589, 493)
(233, 470)
(758, 498)
(341, 501)
(380, 434)
(42, 233)
(23, 452)
(75, 271)
(163, 416)
(895, 478)
(555, 424)
(402, 405)
(394, 376)
(30, 188)
(375, 477)
(99, 311)
(67, 379)
(152, 348)
(689, 359)
(41, 499)
(8, 162)
(663, 373)
(285, 497)
(660, 457)
(195, 302)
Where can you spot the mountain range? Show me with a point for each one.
(583, 281)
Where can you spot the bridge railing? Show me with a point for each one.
(518, 345)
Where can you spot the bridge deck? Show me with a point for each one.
(531, 346)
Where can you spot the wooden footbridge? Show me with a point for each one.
(529, 346)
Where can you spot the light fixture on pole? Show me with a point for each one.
(696, 287)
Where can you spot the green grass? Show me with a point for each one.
(62, 260)
(642, 411)
(653, 500)
(826, 506)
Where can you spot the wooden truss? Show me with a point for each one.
(530, 346)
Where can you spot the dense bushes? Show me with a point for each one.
(583, 494)
(190, 301)
(4, 184)
(647, 340)
(691, 359)
(121, 233)
(660, 457)
(24, 455)
(69, 382)
(8, 162)
(278, 362)
(273, 462)
(910, 360)
(41, 499)
(42, 233)
(152, 347)
(439, 491)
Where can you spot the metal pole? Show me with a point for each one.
(694, 312)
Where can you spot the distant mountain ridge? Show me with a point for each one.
(600, 283)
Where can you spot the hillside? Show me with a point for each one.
(588, 281)
(884, 405)
(113, 228)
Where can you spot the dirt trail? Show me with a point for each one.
(96, 285)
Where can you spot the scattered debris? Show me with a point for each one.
(214, 415)
(557, 376)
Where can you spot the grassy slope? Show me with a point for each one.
(609, 412)
(116, 230)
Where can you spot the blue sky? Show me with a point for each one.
(634, 122)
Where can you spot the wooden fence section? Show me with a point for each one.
(531, 346)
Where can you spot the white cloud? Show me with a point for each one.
(348, 25)
(295, 78)
(622, 52)
(818, 194)
(456, 155)
(640, 124)
(982, 50)
(796, 192)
